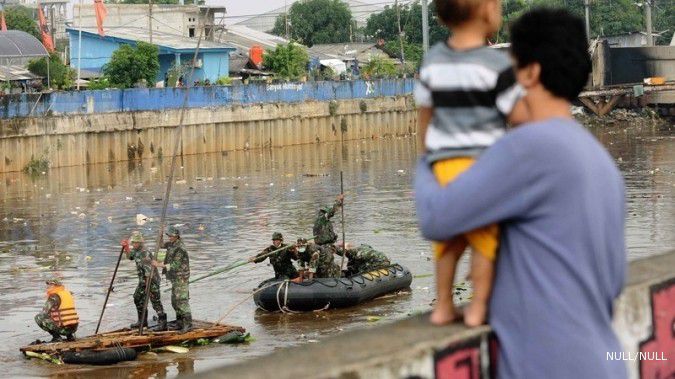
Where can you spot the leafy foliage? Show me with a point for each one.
(129, 65)
(21, 18)
(101, 83)
(316, 21)
(60, 75)
(287, 61)
(380, 68)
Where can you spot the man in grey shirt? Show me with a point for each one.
(559, 199)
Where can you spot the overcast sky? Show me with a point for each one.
(251, 7)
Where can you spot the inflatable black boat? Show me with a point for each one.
(273, 295)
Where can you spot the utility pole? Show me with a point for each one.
(51, 28)
(425, 26)
(286, 19)
(588, 19)
(648, 22)
(400, 35)
(79, 46)
(150, 19)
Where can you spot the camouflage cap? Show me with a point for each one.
(136, 237)
(277, 236)
(173, 232)
(54, 281)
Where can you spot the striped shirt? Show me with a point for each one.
(471, 93)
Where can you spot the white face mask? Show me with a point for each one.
(302, 249)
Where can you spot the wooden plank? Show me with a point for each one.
(129, 338)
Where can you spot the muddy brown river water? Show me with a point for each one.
(71, 220)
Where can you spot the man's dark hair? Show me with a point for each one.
(556, 40)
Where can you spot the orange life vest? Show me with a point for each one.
(65, 314)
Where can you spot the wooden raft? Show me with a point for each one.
(129, 338)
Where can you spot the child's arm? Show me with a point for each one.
(423, 120)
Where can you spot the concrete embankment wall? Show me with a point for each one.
(99, 137)
(412, 348)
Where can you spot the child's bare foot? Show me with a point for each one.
(475, 313)
(443, 314)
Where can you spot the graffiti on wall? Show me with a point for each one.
(661, 344)
(472, 359)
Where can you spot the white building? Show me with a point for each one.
(183, 20)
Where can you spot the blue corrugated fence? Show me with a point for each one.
(146, 99)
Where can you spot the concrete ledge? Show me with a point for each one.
(414, 348)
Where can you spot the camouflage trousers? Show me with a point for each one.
(180, 297)
(139, 297)
(47, 324)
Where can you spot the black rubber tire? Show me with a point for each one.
(99, 357)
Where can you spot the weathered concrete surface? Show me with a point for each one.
(106, 137)
(644, 318)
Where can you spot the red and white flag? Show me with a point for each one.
(44, 30)
(101, 14)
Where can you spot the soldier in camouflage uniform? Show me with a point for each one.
(176, 267)
(58, 316)
(281, 261)
(363, 259)
(323, 227)
(319, 259)
(141, 256)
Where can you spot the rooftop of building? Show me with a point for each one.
(15, 43)
(168, 43)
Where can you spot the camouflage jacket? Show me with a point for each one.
(323, 227)
(177, 261)
(52, 304)
(281, 261)
(363, 259)
(143, 266)
(322, 263)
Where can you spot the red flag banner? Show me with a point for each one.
(3, 24)
(44, 30)
(101, 14)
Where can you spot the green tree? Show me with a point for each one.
(412, 51)
(316, 21)
(384, 25)
(380, 68)
(287, 61)
(21, 18)
(129, 65)
(60, 75)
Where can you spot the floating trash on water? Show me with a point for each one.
(82, 215)
(87, 258)
(223, 178)
(67, 258)
(209, 178)
(401, 171)
(97, 202)
(292, 189)
(129, 198)
(235, 187)
(73, 213)
(49, 195)
(201, 227)
(271, 184)
(373, 318)
(230, 207)
(176, 205)
(153, 169)
(182, 181)
(174, 349)
(141, 219)
(109, 218)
